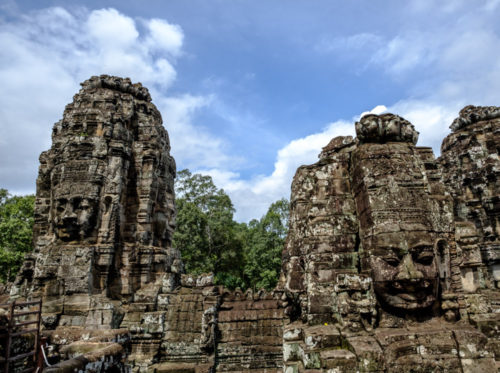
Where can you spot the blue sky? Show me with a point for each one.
(248, 90)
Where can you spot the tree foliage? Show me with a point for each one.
(16, 228)
(206, 233)
(239, 254)
(264, 244)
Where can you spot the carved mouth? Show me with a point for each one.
(414, 297)
(412, 292)
(410, 295)
(67, 232)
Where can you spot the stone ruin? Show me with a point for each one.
(104, 212)
(392, 261)
(392, 256)
(113, 289)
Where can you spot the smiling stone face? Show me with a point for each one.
(75, 217)
(404, 270)
(375, 254)
(75, 201)
(402, 216)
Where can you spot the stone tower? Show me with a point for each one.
(471, 169)
(379, 253)
(104, 213)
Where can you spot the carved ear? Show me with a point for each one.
(443, 262)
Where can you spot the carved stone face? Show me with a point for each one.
(74, 217)
(404, 270)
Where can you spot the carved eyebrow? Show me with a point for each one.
(390, 250)
(421, 246)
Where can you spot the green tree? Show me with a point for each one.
(206, 233)
(16, 229)
(264, 245)
(239, 254)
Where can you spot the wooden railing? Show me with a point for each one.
(23, 318)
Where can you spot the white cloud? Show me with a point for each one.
(379, 109)
(300, 151)
(165, 36)
(67, 48)
(446, 67)
(431, 120)
(253, 197)
(406, 52)
(83, 43)
(446, 61)
(475, 48)
(443, 64)
(111, 29)
(459, 65)
(47, 53)
(193, 145)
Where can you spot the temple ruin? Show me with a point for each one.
(392, 261)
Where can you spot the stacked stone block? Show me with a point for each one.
(250, 332)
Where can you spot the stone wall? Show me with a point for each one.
(250, 332)
(201, 327)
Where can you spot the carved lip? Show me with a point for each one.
(416, 297)
(415, 293)
(66, 232)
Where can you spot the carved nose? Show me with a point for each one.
(69, 216)
(408, 271)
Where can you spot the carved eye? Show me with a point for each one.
(425, 259)
(61, 205)
(392, 261)
(423, 255)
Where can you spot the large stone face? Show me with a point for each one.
(104, 213)
(381, 244)
(405, 224)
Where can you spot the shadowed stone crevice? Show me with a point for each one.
(458, 349)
